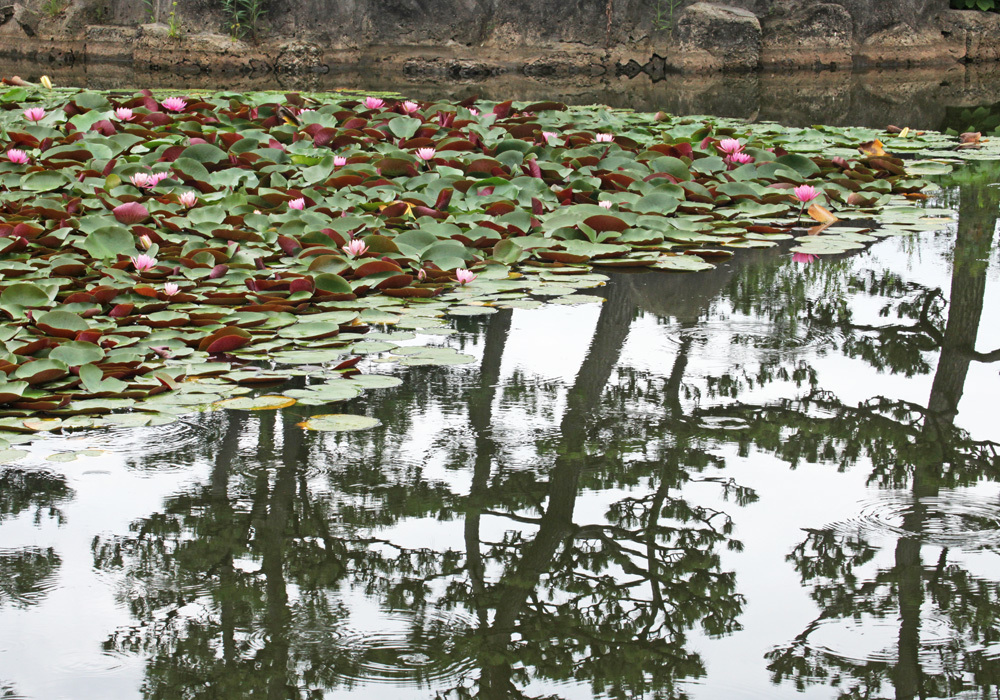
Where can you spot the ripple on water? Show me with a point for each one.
(390, 652)
(965, 519)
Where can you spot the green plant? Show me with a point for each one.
(53, 7)
(243, 16)
(663, 19)
(173, 23)
(984, 5)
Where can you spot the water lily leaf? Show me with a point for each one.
(204, 153)
(404, 127)
(256, 403)
(40, 371)
(10, 455)
(416, 355)
(76, 353)
(374, 381)
(471, 311)
(44, 181)
(110, 242)
(329, 282)
(25, 294)
(320, 394)
(683, 263)
(337, 422)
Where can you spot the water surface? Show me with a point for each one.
(770, 480)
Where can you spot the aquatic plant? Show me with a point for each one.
(522, 199)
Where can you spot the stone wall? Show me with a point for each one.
(486, 37)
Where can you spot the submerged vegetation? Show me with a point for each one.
(236, 240)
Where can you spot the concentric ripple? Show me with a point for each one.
(399, 650)
(966, 519)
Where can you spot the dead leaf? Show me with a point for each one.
(821, 214)
(873, 148)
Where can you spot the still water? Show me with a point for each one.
(773, 480)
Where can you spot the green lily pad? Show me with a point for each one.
(339, 422)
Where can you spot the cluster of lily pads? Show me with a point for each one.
(168, 254)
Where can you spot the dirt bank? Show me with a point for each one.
(463, 39)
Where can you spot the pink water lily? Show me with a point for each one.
(729, 146)
(339, 161)
(550, 135)
(143, 263)
(124, 114)
(425, 153)
(34, 114)
(734, 160)
(145, 241)
(16, 155)
(804, 258)
(157, 178)
(604, 138)
(806, 193)
(170, 289)
(606, 204)
(421, 274)
(464, 276)
(142, 180)
(188, 199)
(374, 102)
(473, 111)
(174, 104)
(355, 248)
(410, 106)
(299, 203)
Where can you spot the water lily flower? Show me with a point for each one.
(550, 135)
(805, 193)
(374, 102)
(34, 114)
(124, 114)
(142, 180)
(156, 178)
(425, 153)
(170, 289)
(143, 263)
(174, 104)
(605, 203)
(410, 106)
(464, 276)
(299, 203)
(734, 160)
(355, 248)
(145, 241)
(729, 146)
(339, 161)
(188, 199)
(473, 111)
(804, 258)
(421, 274)
(604, 138)
(16, 155)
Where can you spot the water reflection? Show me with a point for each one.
(508, 534)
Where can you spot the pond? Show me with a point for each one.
(776, 478)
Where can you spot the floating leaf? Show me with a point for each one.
(339, 422)
(255, 403)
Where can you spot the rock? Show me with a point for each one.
(902, 46)
(716, 37)
(817, 35)
(27, 19)
(6, 12)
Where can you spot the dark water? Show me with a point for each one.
(770, 480)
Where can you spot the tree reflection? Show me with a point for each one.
(912, 447)
(237, 585)
(27, 572)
